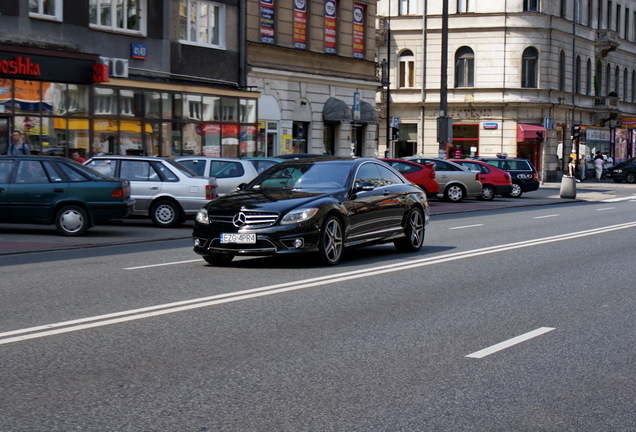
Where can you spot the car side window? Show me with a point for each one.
(224, 169)
(442, 166)
(377, 175)
(388, 176)
(31, 172)
(6, 166)
(196, 166)
(138, 171)
(405, 168)
(104, 166)
(160, 170)
(475, 167)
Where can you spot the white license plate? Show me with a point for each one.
(238, 238)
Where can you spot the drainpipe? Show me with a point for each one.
(242, 45)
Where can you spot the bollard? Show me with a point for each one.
(568, 187)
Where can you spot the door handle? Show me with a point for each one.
(58, 190)
(154, 188)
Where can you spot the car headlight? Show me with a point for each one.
(300, 215)
(202, 217)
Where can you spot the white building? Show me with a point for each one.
(515, 68)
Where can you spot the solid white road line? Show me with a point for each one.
(153, 311)
(510, 342)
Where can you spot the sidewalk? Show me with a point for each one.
(16, 239)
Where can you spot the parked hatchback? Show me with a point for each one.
(422, 175)
(524, 175)
(493, 180)
(163, 190)
(455, 181)
(229, 173)
(55, 190)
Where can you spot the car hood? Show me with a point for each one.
(279, 200)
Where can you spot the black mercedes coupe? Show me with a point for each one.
(320, 205)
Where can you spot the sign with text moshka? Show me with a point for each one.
(331, 15)
(358, 31)
(300, 24)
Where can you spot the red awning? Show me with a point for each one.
(527, 132)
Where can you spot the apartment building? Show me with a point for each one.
(314, 64)
(522, 77)
(148, 77)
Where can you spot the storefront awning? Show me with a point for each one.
(336, 110)
(368, 114)
(528, 132)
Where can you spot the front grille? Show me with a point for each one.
(253, 219)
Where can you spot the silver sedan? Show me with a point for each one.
(229, 173)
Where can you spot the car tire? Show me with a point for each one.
(218, 259)
(630, 177)
(331, 243)
(454, 193)
(413, 232)
(166, 214)
(516, 191)
(488, 193)
(72, 221)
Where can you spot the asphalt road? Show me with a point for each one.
(509, 319)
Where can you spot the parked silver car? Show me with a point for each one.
(455, 181)
(163, 190)
(229, 173)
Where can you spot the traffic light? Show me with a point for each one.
(539, 138)
(395, 133)
(576, 132)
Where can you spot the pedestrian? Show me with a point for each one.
(598, 165)
(17, 146)
(76, 157)
(583, 167)
(571, 167)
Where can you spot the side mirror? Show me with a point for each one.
(241, 186)
(363, 186)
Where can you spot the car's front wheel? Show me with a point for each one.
(331, 244)
(487, 192)
(413, 233)
(72, 221)
(630, 177)
(454, 193)
(166, 214)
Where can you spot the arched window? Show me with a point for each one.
(464, 67)
(562, 71)
(588, 78)
(608, 78)
(529, 68)
(625, 82)
(633, 86)
(617, 75)
(407, 69)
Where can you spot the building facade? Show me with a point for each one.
(174, 82)
(523, 77)
(314, 64)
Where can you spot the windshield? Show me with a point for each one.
(303, 176)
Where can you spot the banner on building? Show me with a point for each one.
(330, 26)
(358, 31)
(267, 22)
(300, 24)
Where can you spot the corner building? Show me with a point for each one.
(313, 62)
(174, 83)
(521, 75)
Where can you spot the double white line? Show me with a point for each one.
(154, 311)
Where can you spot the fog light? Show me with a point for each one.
(197, 242)
(299, 243)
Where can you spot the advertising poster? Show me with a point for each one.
(267, 22)
(330, 26)
(300, 24)
(358, 31)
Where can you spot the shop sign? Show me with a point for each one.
(45, 68)
(491, 125)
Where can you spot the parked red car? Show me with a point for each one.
(493, 180)
(422, 175)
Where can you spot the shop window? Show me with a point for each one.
(202, 23)
(300, 133)
(230, 110)
(118, 15)
(248, 110)
(211, 108)
(464, 67)
(105, 101)
(529, 68)
(48, 9)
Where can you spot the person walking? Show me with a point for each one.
(17, 146)
(599, 161)
(583, 167)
